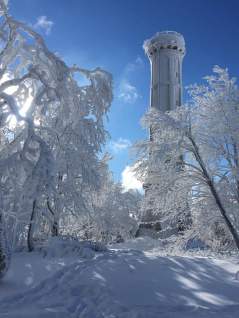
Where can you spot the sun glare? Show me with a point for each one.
(24, 107)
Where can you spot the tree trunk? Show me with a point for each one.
(214, 192)
(30, 243)
(4, 251)
(224, 214)
(54, 229)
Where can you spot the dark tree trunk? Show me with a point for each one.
(54, 229)
(214, 192)
(5, 256)
(31, 229)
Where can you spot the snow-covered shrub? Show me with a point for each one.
(110, 220)
(67, 246)
(113, 218)
(111, 212)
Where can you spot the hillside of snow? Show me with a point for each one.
(132, 283)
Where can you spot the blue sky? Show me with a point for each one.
(110, 34)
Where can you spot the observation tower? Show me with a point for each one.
(165, 51)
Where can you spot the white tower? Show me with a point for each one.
(166, 51)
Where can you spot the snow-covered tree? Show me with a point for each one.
(81, 135)
(206, 133)
(161, 170)
(51, 131)
(215, 139)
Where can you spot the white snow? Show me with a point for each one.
(120, 283)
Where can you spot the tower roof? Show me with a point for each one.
(165, 40)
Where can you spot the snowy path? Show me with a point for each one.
(132, 284)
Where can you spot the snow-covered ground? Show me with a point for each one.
(136, 282)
